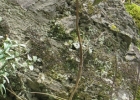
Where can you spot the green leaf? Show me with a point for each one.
(9, 40)
(2, 62)
(39, 60)
(17, 59)
(25, 64)
(10, 57)
(14, 45)
(34, 58)
(17, 53)
(31, 67)
(29, 58)
(0, 19)
(9, 52)
(13, 66)
(5, 76)
(2, 87)
(1, 51)
(2, 56)
(22, 45)
(6, 46)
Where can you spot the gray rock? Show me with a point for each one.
(106, 30)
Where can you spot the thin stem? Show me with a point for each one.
(81, 52)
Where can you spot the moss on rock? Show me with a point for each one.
(134, 10)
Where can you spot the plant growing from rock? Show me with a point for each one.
(134, 11)
(12, 61)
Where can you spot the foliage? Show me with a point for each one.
(12, 60)
(136, 1)
(134, 10)
(138, 94)
(57, 31)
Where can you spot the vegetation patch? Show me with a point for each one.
(134, 10)
(57, 31)
(14, 60)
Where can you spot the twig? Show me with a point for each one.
(11, 91)
(81, 52)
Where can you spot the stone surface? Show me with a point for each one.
(107, 31)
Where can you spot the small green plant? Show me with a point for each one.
(57, 31)
(134, 10)
(12, 59)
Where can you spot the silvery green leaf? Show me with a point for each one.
(23, 45)
(25, 64)
(5, 76)
(1, 51)
(15, 45)
(6, 46)
(2, 56)
(8, 50)
(2, 62)
(8, 39)
(17, 59)
(2, 87)
(13, 65)
(0, 19)
(39, 60)
(19, 64)
(4, 81)
(29, 58)
(17, 54)
(11, 57)
(34, 58)
(31, 67)
(90, 50)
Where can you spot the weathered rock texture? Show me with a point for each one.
(49, 27)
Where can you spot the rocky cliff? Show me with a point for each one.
(47, 27)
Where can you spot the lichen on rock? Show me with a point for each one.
(48, 28)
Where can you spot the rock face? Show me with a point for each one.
(49, 28)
